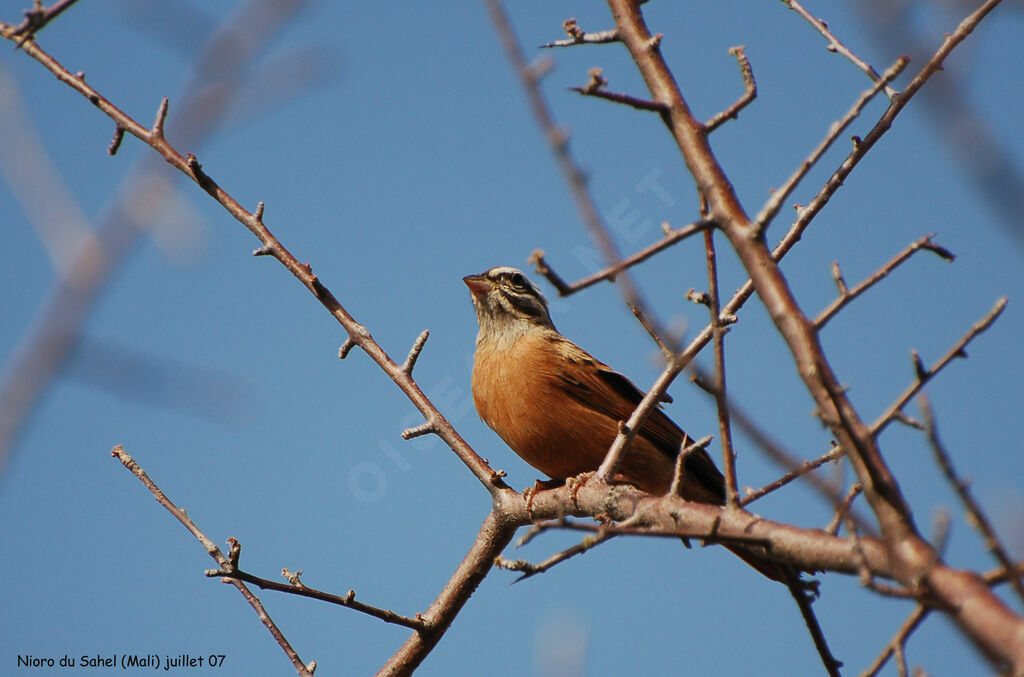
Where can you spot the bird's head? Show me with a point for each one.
(507, 304)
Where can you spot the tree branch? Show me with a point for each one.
(749, 94)
(213, 551)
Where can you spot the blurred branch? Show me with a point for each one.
(774, 203)
(718, 329)
(795, 466)
(558, 139)
(897, 103)
(982, 616)
(190, 166)
(978, 150)
(975, 515)
(49, 341)
(897, 644)
(213, 551)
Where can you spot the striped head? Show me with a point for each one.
(507, 304)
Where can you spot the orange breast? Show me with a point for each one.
(518, 394)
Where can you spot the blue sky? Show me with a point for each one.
(395, 152)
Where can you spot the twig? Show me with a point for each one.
(419, 431)
(721, 399)
(414, 352)
(923, 375)
(45, 347)
(798, 591)
(898, 642)
(843, 508)
(897, 103)
(36, 18)
(802, 469)
(835, 46)
(213, 551)
(529, 569)
(495, 534)
(846, 295)
(596, 87)
(577, 36)
(357, 333)
(673, 236)
(558, 140)
(749, 94)
(976, 516)
(679, 473)
(297, 587)
(774, 203)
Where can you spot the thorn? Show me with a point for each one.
(419, 431)
(414, 352)
(919, 369)
(573, 30)
(115, 143)
(258, 214)
(837, 275)
(157, 132)
(346, 347)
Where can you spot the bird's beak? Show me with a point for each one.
(478, 284)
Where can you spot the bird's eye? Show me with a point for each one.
(519, 281)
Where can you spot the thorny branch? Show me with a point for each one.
(577, 36)
(37, 18)
(846, 295)
(976, 516)
(986, 620)
(529, 569)
(721, 399)
(254, 221)
(774, 203)
(643, 513)
(923, 374)
(749, 93)
(837, 47)
(297, 587)
(128, 462)
(88, 267)
(672, 236)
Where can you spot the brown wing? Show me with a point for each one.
(607, 391)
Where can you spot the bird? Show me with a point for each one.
(560, 409)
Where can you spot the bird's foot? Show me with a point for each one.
(574, 484)
(529, 493)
